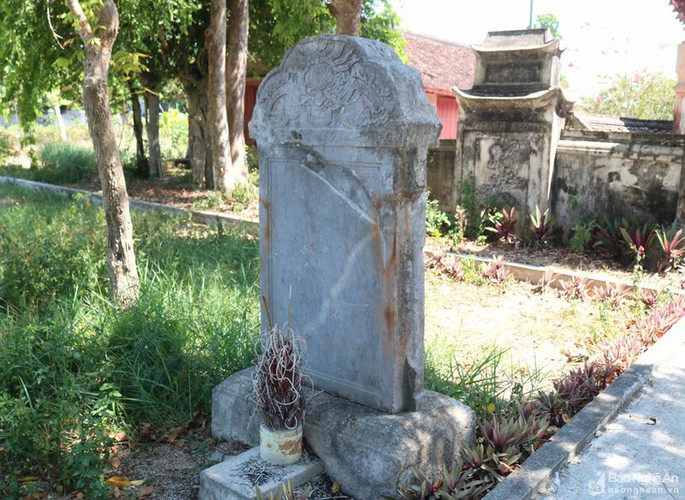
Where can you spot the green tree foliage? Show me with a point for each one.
(643, 96)
(276, 25)
(32, 63)
(550, 22)
(380, 22)
(39, 51)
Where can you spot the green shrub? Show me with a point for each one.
(173, 133)
(583, 237)
(6, 148)
(65, 163)
(437, 222)
(49, 249)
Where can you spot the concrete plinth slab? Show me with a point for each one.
(237, 477)
(368, 452)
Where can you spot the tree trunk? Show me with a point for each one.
(152, 106)
(121, 262)
(191, 139)
(141, 161)
(347, 15)
(216, 97)
(201, 159)
(235, 86)
(60, 123)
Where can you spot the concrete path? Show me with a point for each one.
(641, 453)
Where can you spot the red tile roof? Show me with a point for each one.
(442, 64)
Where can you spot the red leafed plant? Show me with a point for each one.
(612, 293)
(496, 270)
(672, 247)
(638, 238)
(575, 288)
(504, 225)
(450, 265)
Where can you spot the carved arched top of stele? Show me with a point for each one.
(345, 91)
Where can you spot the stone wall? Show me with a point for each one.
(595, 173)
(617, 174)
(441, 182)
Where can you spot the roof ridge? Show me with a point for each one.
(436, 39)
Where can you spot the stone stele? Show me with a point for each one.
(343, 129)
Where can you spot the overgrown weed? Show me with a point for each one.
(73, 368)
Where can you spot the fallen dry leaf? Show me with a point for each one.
(335, 488)
(146, 491)
(116, 463)
(36, 495)
(147, 433)
(171, 437)
(120, 436)
(118, 481)
(28, 479)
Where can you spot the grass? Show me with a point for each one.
(58, 163)
(73, 369)
(240, 198)
(63, 162)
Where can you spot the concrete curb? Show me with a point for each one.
(574, 436)
(209, 218)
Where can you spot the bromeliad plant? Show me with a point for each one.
(545, 281)
(541, 224)
(611, 293)
(575, 288)
(610, 239)
(454, 482)
(496, 271)
(278, 377)
(638, 238)
(504, 224)
(671, 242)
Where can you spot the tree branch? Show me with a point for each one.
(84, 30)
(52, 29)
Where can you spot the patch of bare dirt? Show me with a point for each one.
(563, 258)
(176, 189)
(539, 331)
(167, 471)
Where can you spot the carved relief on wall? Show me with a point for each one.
(504, 177)
(327, 84)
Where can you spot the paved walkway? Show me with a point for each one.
(641, 453)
